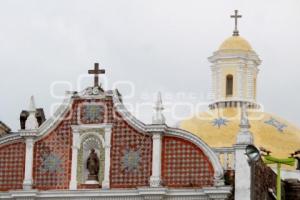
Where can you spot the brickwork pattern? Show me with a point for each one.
(57, 145)
(264, 178)
(12, 166)
(127, 139)
(185, 165)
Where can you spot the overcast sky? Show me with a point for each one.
(158, 45)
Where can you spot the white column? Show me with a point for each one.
(155, 179)
(240, 85)
(242, 174)
(106, 181)
(219, 85)
(75, 147)
(242, 167)
(250, 81)
(27, 183)
(213, 83)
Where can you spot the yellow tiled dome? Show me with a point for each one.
(235, 43)
(219, 128)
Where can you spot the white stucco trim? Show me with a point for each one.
(155, 179)
(212, 193)
(12, 137)
(90, 130)
(28, 179)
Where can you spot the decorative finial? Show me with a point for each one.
(31, 104)
(236, 16)
(96, 71)
(158, 117)
(31, 121)
(244, 117)
(244, 136)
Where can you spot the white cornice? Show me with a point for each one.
(116, 194)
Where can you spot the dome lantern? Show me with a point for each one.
(234, 71)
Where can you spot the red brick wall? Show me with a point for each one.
(12, 166)
(124, 139)
(57, 143)
(185, 165)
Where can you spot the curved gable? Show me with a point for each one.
(185, 165)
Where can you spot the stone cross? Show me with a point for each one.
(96, 71)
(236, 16)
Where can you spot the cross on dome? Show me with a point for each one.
(236, 16)
(96, 71)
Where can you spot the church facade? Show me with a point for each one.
(134, 160)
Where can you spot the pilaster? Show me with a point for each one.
(75, 148)
(155, 179)
(107, 147)
(29, 136)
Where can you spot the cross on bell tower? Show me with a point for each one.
(236, 16)
(96, 71)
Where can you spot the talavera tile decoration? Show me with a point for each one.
(277, 124)
(51, 163)
(131, 160)
(218, 122)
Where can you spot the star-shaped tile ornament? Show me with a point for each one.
(218, 122)
(277, 124)
(131, 160)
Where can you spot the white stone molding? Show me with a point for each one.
(82, 132)
(75, 148)
(219, 84)
(28, 180)
(212, 193)
(50, 124)
(107, 148)
(29, 137)
(155, 179)
(213, 82)
(239, 82)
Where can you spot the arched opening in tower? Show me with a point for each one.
(229, 85)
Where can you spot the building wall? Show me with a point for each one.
(126, 141)
(129, 145)
(263, 179)
(185, 165)
(52, 159)
(12, 165)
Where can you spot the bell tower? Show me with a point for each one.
(234, 71)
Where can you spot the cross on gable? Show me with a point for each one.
(236, 16)
(96, 71)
